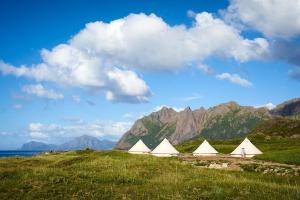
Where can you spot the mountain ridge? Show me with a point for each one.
(224, 121)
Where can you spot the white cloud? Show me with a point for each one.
(205, 69)
(103, 56)
(38, 135)
(274, 18)
(234, 78)
(40, 91)
(269, 106)
(127, 85)
(54, 133)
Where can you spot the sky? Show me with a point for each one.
(69, 68)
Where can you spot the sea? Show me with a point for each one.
(15, 153)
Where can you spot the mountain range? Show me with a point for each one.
(225, 121)
(78, 143)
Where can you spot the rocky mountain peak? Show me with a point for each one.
(185, 126)
(164, 115)
(223, 108)
(166, 110)
(225, 121)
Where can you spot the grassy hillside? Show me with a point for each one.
(156, 131)
(118, 175)
(278, 138)
(234, 124)
(283, 150)
(278, 127)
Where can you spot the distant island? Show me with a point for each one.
(78, 143)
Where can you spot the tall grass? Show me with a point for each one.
(118, 175)
(291, 156)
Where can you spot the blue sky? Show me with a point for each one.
(93, 67)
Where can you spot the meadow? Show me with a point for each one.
(276, 149)
(119, 175)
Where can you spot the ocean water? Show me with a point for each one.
(18, 153)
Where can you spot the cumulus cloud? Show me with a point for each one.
(234, 78)
(40, 91)
(129, 43)
(103, 56)
(128, 85)
(274, 18)
(60, 133)
(278, 20)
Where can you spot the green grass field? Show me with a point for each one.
(282, 150)
(119, 175)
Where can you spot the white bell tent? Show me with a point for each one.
(165, 149)
(246, 149)
(205, 149)
(139, 148)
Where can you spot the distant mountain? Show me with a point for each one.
(290, 108)
(78, 143)
(86, 141)
(37, 146)
(225, 121)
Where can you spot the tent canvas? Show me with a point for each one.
(165, 149)
(205, 149)
(139, 148)
(246, 149)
